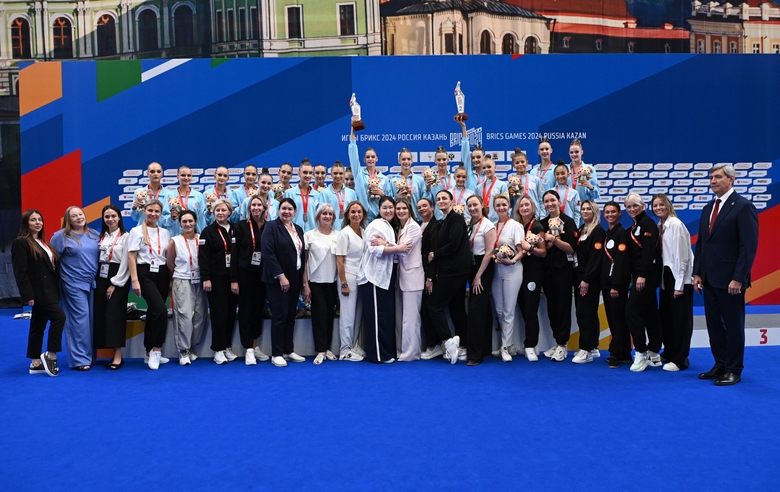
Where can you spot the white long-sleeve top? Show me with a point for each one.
(321, 263)
(375, 266)
(677, 252)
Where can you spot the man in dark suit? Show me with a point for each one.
(725, 250)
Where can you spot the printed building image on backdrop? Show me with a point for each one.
(95, 126)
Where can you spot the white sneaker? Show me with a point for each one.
(640, 362)
(550, 351)
(192, 356)
(350, 356)
(292, 356)
(496, 352)
(388, 361)
(319, 359)
(259, 356)
(654, 359)
(462, 354)
(505, 354)
(278, 361)
(530, 354)
(184, 358)
(512, 350)
(560, 354)
(582, 357)
(219, 357)
(229, 355)
(330, 355)
(595, 353)
(671, 367)
(357, 349)
(163, 360)
(249, 357)
(154, 360)
(432, 353)
(452, 345)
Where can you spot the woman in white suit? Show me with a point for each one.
(411, 280)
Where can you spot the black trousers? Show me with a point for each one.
(154, 290)
(479, 331)
(283, 308)
(587, 310)
(42, 314)
(725, 315)
(620, 342)
(323, 309)
(642, 316)
(222, 312)
(109, 315)
(251, 302)
(528, 300)
(676, 320)
(379, 320)
(448, 293)
(557, 290)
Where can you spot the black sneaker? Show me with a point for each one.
(49, 365)
(613, 362)
(37, 369)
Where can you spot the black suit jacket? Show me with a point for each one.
(728, 253)
(38, 280)
(279, 251)
(430, 242)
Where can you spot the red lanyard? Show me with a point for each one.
(340, 198)
(371, 175)
(149, 240)
(155, 197)
(223, 238)
(460, 197)
(474, 235)
(252, 231)
(446, 184)
(216, 191)
(565, 198)
(498, 231)
(182, 199)
(545, 171)
(111, 251)
(305, 201)
(574, 176)
(486, 197)
(606, 250)
(267, 208)
(246, 190)
(529, 225)
(187, 242)
(633, 227)
(525, 188)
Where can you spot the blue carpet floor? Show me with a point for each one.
(404, 426)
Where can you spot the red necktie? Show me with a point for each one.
(714, 214)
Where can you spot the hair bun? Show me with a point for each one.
(265, 171)
(560, 162)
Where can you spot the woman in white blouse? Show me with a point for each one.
(411, 280)
(146, 261)
(319, 280)
(349, 252)
(509, 273)
(377, 278)
(676, 306)
(112, 287)
(482, 235)
(188, 299)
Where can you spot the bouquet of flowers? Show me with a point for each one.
(210, 199)
(503, 252)
(431, 177)
(373, 183)
(532, 239)
(402, 187)
(515, 185)
(556, 226)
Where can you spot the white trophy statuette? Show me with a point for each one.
(460, 101)
(357, 123)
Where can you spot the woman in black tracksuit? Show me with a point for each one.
(248, 269)
(216, 253)
(615, 277)
(587, 270)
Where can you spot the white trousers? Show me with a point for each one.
(189, 313)
(351, 315)
(408, 324)
(507, 281)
